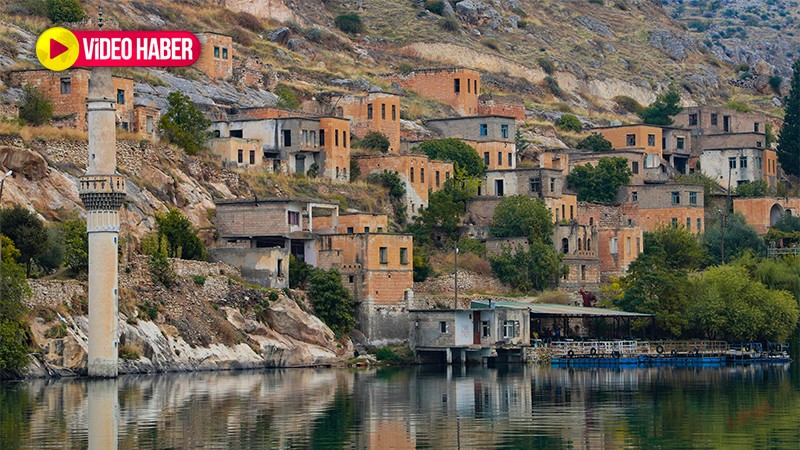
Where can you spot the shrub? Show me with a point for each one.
(63, 11)
(349, 23)
(375, 140)
(596, 2)
(181, 238)
(569, 122)
(595, 142)
(199, 280)
(355, 169)
(470, 245)
(299, 272)
(775, 82)
(628, 104)
(386, 354)
(26, 231)
(76, 245)
(249, 21)
(449, 24)
(546, 64)
(241, 36)
(450, 149)
(273, 296)
(333, 303)
(34, 108)
(552, 85)
(491, 43)
(129, 352)
(57, 331)
(160, 268)
(738, 106)
(522, 24)
(184, 124)
(435, 6)
(288, 98)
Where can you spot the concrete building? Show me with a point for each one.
(287, 144)
(375, 111)
(268, 267)
(669, 204)
(468, 335)
(491, 136)
(68, 91)
(356, 222)
(216, 56)
(453, 86)
(420, 174)
(715, 120)
(735, 166)
(657, 144)
(102, 191)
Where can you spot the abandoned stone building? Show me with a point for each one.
(668, 145)
(506, 106)
(578, 245)
(763, 212)
(69, 89)
(420, 174)
(619, 239)
(355, 222)
(716, 120)
(457, 87)
(666, 204)
(547, 184)
(216, 55)
(491, 136)
(374, 111)
(317, 146)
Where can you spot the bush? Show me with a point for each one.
(775, 82)
(199, 280)
(181, 238)
(299, 272)
(435, 6)
(758, 188)
(76, 245)
(569, 122)
(26, 231)
(552, 85)
(422, 265)
(355, 169)
(596, 2)
(160, 268)
(595, 142)
(628, 104)
(34, 108)
(249, 21)
(600, 183)
(64, 11)
(333, 303)
(546, 65)
(397, 190)
(738, 106)
(461, 154)
(349, 23)
(129, 352)
(375, 140)
(470, 245)
(14, 337)
(288, 97)
(57, 331)
(449, 24)
(184, 124)
(534, 269)
(273, 296)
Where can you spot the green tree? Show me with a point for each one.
(161, 270)
(520, 215)
(657, 281)
(13, 329)
(455, 150)
(397, 192)
(375, 140)
(595, 142)
(299, 272)
(758, 188)
(53, 255)
(569, 122)
(182, 240)
(65, 11)
(184, 124)
(520, 142)
(536, 268)
(739, 238)
(789, 137)
(287, 96)
(34, 108)
(600, 183)
(445, 209)
(26, 231)
(660, 112)
(422, 264)
(333, 303)
(76, 245)
(727, 303)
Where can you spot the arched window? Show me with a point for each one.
(579, 244)
(591, 221)
(588, 244)
(565, 245)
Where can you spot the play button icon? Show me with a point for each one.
(57, 48)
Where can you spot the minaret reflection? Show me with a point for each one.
(103, 414)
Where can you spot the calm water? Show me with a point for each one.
(510, 407)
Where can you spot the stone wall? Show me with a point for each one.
(216, 56)
(53, 293)
(440, 84)
(489, 105)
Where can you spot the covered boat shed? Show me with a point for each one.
(555, 321)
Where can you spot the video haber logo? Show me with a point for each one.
(59, 49)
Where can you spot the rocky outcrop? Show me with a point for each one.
(674, 44)
(207, 321)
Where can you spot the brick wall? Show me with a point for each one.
(491, 105)
(359, 222)
(761, 213)
(500, 155)
(730, 140)
(372, 112)
(216, 56)
(337, 150)
(440, 84)
(647, 138)
(145, 120)
(737, 123)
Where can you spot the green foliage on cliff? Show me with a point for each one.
(660, 112)
(520, 215)
(460, 154)
(600, 183)
(34, 108)
(14, 336)
(536, 268)
(333, 303)
(65, 11)
(27, 232)
(184, 124)
(181, 237)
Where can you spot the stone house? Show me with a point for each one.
(619, 239)
(452, 86)
(547, 184)
(491, 136)
(216, 55)
(716, 120)
(643, 170)
(657, 144)
(69, 89)
(375, 111)
(578, 245)
(420, 174)
(356, 222)
(735, 166)
(493, 105)
(762, 213)
(668, 204)
(289, 144)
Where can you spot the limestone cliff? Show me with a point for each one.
(207, 321)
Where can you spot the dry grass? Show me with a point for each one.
(554, 297)
(50, 133)
(445, 263)
(10, 129)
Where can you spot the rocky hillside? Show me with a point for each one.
(592, 50)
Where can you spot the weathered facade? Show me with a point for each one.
(68, 91)
(453, 86)
(268, 267)
(356, 222)
(239, 152)
(619, 239)
(420, 174)
(493, 105)
(710, 120)
(547, 184)
(578, 245)
(763, 212)
(669, 204)
(491, 136)
(216, 56)
(374, 111)
(735, 166)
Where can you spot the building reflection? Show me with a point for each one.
(516, 406)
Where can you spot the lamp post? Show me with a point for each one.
(456, 277)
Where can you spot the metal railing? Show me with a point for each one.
(636, 348)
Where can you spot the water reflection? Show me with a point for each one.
(423, 407)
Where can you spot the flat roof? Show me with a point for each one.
(550, 309)
(256, 201)
(663, 127)
(483, 116)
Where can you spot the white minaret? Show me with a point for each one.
(102, 191)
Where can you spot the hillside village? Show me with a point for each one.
(377, 250)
